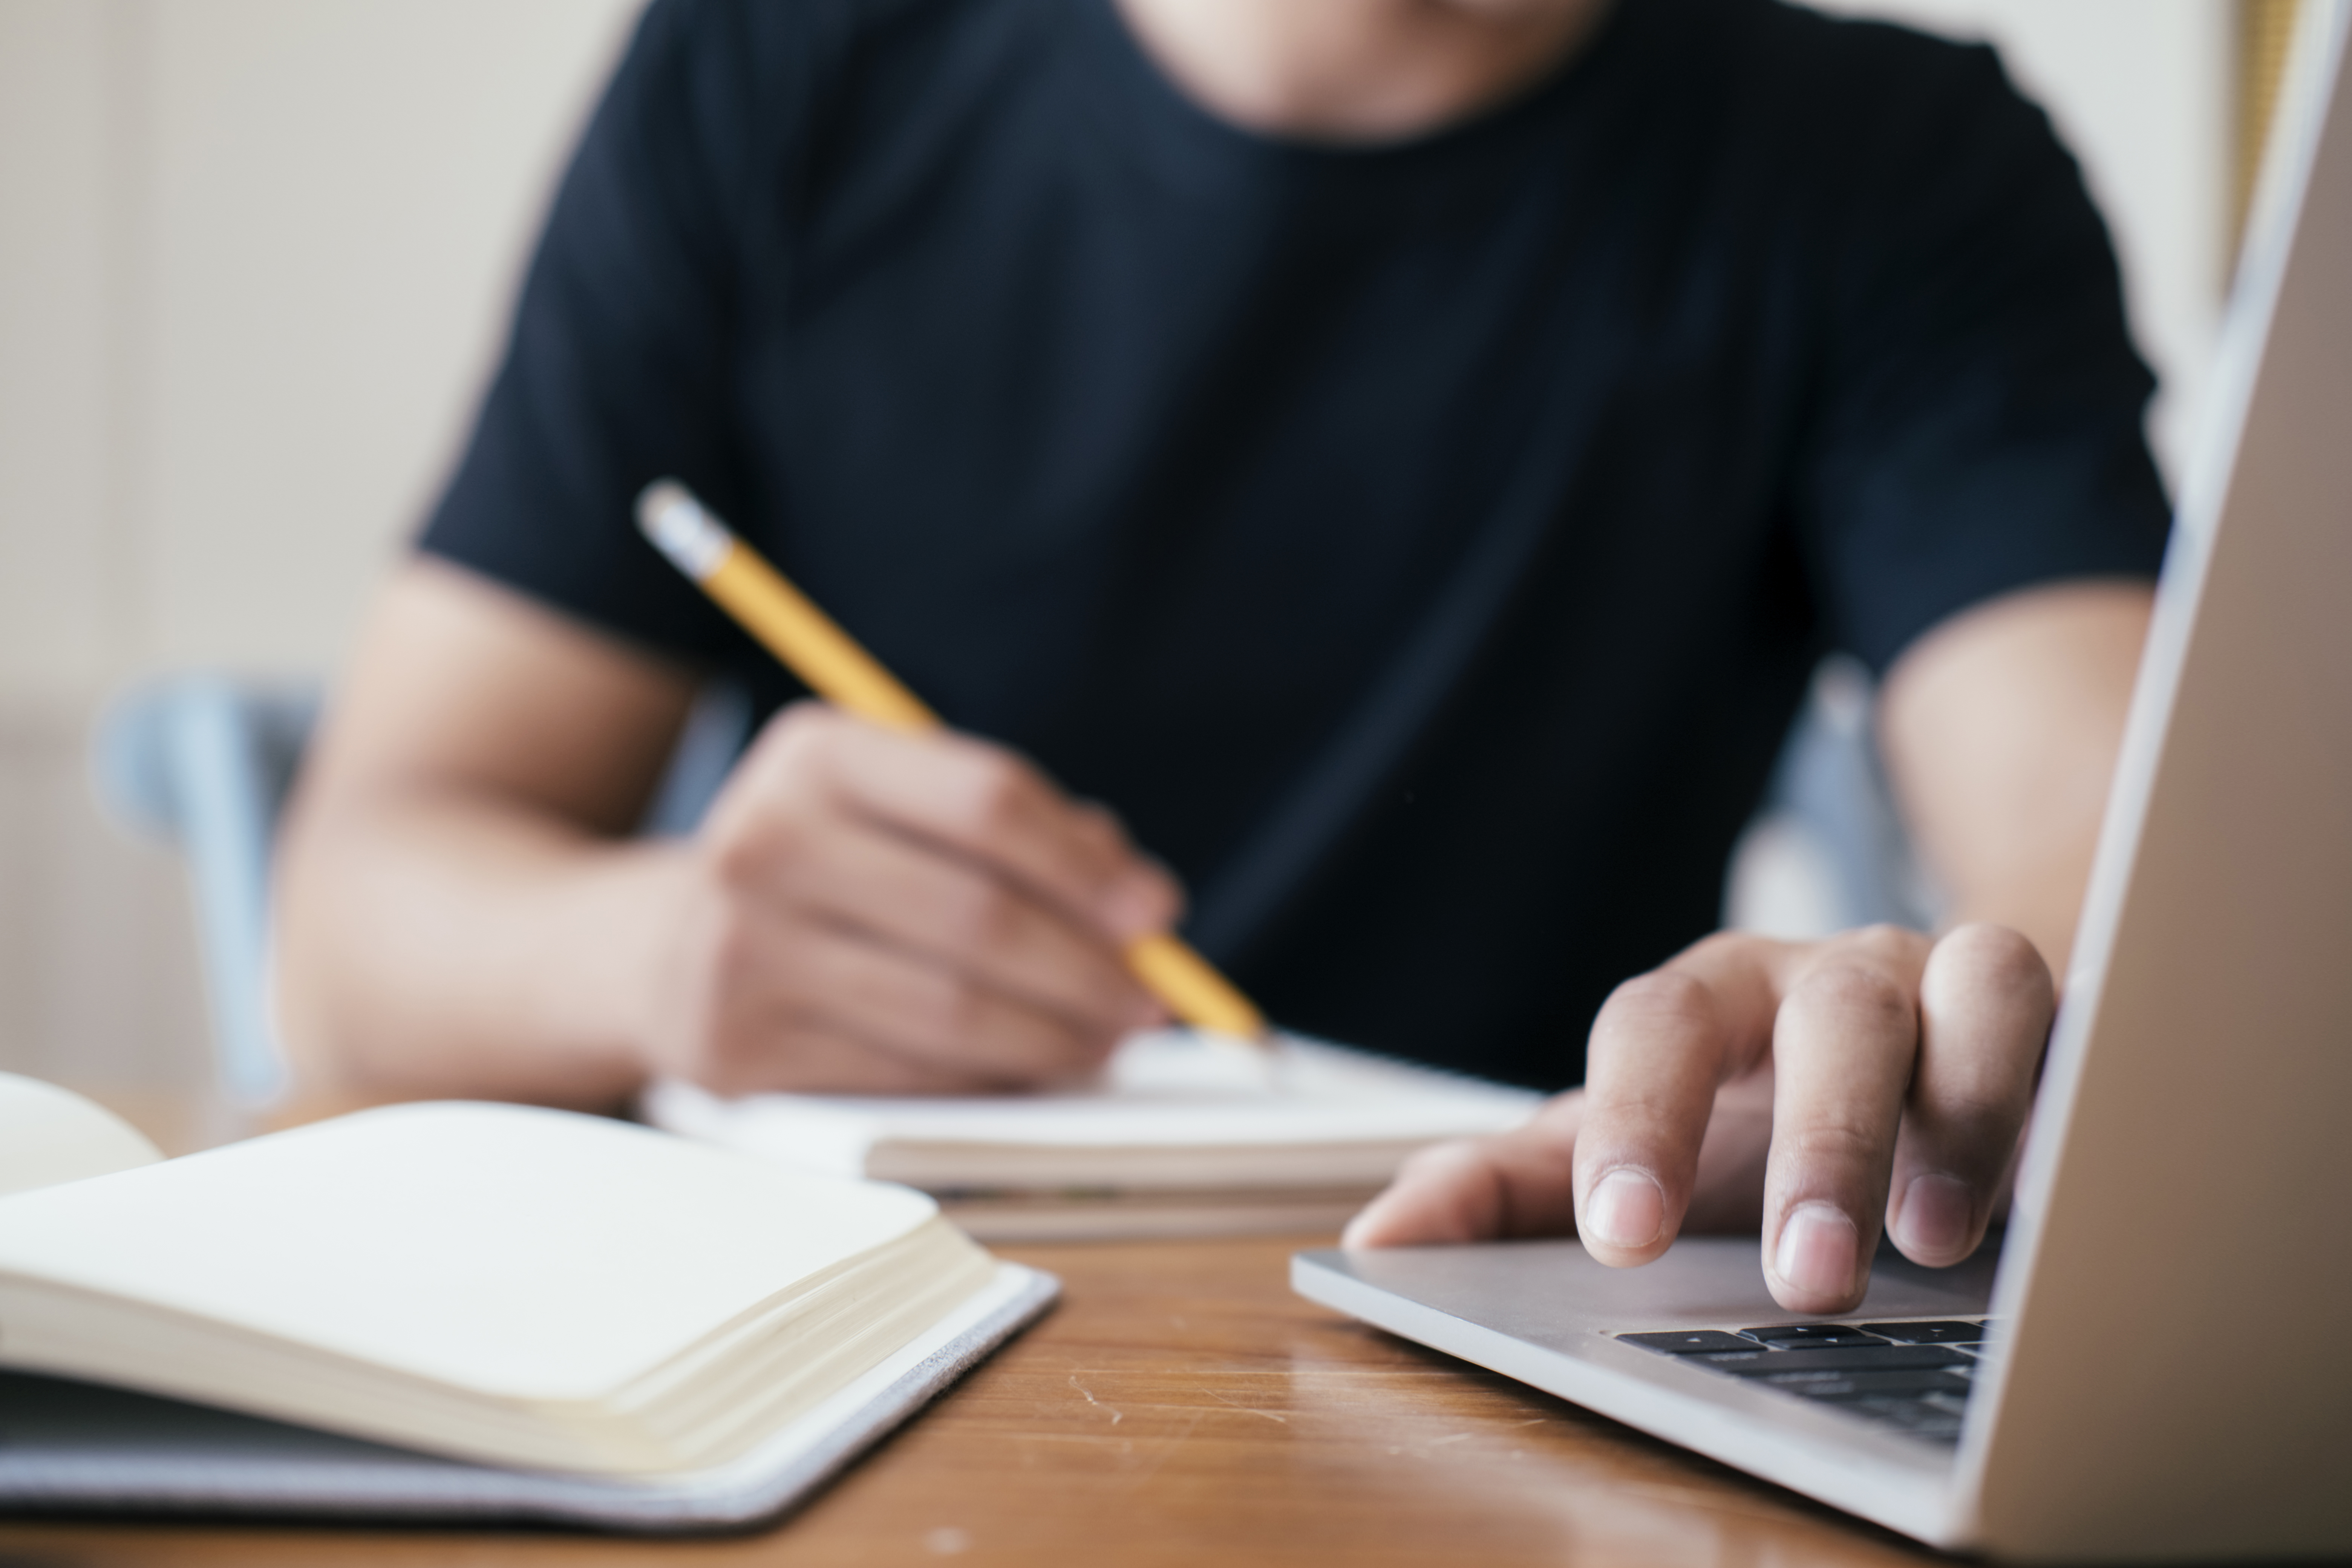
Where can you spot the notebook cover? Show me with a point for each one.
(73, 1447)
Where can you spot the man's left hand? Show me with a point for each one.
(1819, 1089)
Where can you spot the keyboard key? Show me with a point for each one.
(1694, 1342)
(1933, 1406)
(1918, 1387)
(1812, 1335)
(1869, 1384)
(1841, 1358)
(1943, 1333)
(1915, 1417)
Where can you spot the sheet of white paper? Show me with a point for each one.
(1163, 1091)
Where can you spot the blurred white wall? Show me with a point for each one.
(254, 258)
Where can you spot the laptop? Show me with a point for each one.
(2151, 1367)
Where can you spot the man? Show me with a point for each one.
(1405, 456)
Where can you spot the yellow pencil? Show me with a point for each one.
(830, 662)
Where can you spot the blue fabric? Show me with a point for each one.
(206, 761)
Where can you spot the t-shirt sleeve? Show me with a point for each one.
(1979, 427)
(618, 368)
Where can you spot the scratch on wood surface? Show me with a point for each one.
(1168, 1446)
(1088, 1393)
(1126, 1446)
(1246, 1409)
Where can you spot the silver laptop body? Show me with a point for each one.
(2163, 1377)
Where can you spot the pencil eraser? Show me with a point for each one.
(695, 541)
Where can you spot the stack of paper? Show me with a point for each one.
(1179, 1137)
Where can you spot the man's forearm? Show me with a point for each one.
(2001, 729)
(450, 945)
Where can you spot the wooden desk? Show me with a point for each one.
(1180, 1406)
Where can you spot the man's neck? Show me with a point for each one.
(1357, 71)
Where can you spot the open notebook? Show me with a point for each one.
(1178, 1136)
(462, 1311)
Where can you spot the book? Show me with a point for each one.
(471, 1311)
(1176, 1137)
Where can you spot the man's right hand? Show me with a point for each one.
(465, 908)
(868, 910)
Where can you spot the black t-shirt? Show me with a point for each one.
(1423, 548)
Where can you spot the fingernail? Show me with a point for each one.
(1937, 1214)
(1819, 1250)
(1625, 1208)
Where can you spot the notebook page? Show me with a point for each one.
(50, 1135)
(530, 1254)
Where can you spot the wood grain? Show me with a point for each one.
(1181, 1406)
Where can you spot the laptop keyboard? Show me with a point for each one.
(1912, 1376)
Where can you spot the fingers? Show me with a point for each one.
(1986, 1002)
(1892, 1076)
(985, 804)
(1905, 1075)
(929, 899)
(979, 930)
(1512, 1184)
(1662, 1046)
(826, 1062)
(1843, 1045)
(848, 1014)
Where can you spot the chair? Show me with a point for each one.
(1829, 785)
(205, 760)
